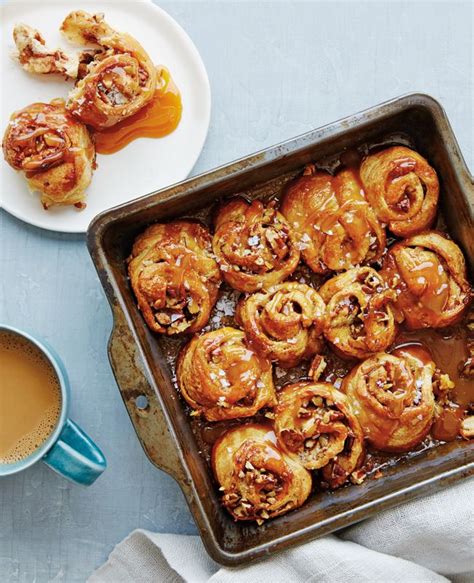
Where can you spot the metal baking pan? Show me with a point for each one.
(141, 367)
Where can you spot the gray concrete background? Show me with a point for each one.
(277, 69)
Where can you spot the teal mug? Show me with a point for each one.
(68, 450)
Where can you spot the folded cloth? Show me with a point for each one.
(430, 539)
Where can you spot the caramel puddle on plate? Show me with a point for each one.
(156, 120)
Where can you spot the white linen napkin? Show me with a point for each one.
(430, 539)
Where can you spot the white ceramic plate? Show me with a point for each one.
(142, 166)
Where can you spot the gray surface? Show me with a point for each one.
(276, 70)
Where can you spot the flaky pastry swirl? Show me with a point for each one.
(392, 396)
(54, 151)
(336, 227)
(254, 245)
(402, 188)
(315, 422)
(283, 323)
(428, 272)
(359, 316)
(120, 79)
(174, 276)
(257, 479)
(220, 376)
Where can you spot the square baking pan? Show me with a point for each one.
(142, 370)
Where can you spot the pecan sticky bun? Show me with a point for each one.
(221, 377)
(118, 81)
(284, 323)
(54, 151)
(36, 57)
(359, 315)
(336, 227)
(428, 272)
(392, 396)
(314, 422)
(402, 188)
(174, 276)
(258, 480)
(254, 245)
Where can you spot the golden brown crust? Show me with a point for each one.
(315, 422)
(336, 227)
(392, 396)
(257, 479)
(221, 377)
(53, 149)
(174, 276)
(254, 245)
(402, 188)
(283, 323)
(428, 272)
(120, 79)
(359, 316)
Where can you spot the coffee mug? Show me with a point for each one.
(67, 450)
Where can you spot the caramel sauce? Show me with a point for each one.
(211, 432)
(448, 348)
(156, 120)
(447, 425)
(429, 280)
(403, 166)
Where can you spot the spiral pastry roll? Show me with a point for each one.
(220, 377)
(257, 479)
(336, 227)
(359, 316)
(428, 272)
(392, 396)
(315, 423)
(254, 245)
(402, 188)
(174, 276)
(53, 150)
(283, 323)
(120, 79)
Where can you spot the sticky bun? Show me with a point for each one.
(258, 481)
(283, 323)
(53, 150)
(315, 422)
(336, 227)
(36, 57)
(221, 377)
(254, 245)
(174, 276)
(359, 316)
(119, 80)
(402, 188)
(428, 272)
(392, 396)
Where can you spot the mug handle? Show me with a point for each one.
(75, 456)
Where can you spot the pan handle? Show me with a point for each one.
(141, 401)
